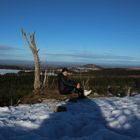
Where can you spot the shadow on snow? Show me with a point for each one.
(84, 120)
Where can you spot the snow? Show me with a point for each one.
(87, 119)
(4, 71)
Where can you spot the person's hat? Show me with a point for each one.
(65, 69)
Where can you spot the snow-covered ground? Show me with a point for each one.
(89, 119)
(4, 71)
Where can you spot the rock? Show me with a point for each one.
(58, 108)
(96, 94)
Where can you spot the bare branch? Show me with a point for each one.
(32, 39)
(25, 38)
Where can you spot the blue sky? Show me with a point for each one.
(77, 31)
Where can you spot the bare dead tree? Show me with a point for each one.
(32, 45)
(129, 91)
(45, 82)
(85, 83)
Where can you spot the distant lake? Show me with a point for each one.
(4, 71)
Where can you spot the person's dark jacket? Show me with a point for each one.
(65, 84)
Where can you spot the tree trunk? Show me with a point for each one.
(45, 82)
(32, 46)
(129, 91)
(37, 82)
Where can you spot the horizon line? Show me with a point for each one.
(60, 63)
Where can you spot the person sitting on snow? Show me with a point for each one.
(67, 86)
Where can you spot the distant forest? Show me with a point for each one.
(116, 81)
(15, 67)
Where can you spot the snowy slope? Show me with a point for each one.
(88, 119)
